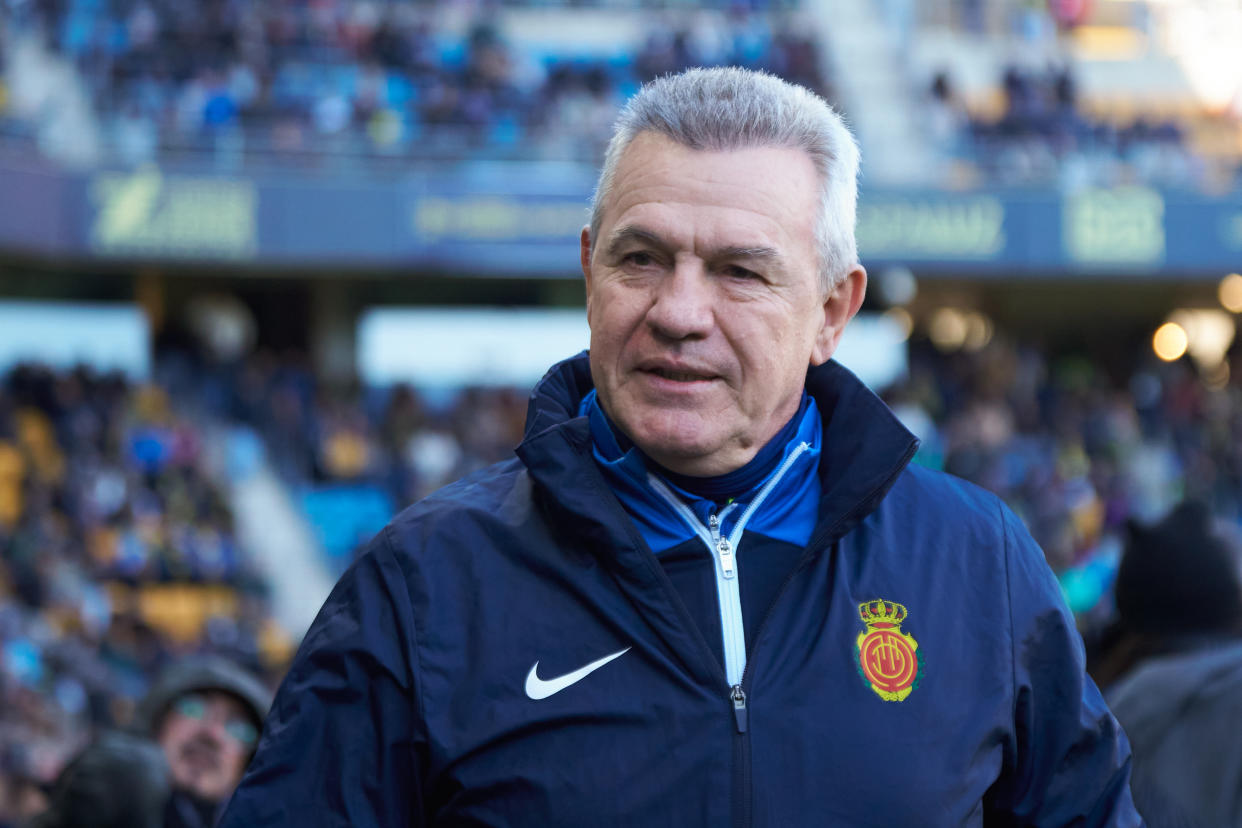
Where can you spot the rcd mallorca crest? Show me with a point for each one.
(888, 659)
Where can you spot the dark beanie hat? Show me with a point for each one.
(197, 673)
(1180, 576)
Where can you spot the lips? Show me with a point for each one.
(200, 755)
(680, 376)
(677, 372)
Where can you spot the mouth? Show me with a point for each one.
(680, 376)
(199, 756)
(677, 373)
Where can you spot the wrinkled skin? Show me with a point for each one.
(705, 302)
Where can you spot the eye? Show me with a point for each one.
(741, 273)
(242, 731)
(192, 707)
(639, 258)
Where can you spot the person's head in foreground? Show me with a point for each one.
(720, 263)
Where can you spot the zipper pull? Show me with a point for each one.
(726, 556)
(713, 522)
(739, 707)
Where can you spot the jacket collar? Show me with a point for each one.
(864, 447)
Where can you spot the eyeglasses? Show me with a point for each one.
(241, 730)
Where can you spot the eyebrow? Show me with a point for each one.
(629, 234)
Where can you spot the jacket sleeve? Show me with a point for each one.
(1066, 760)
(344, 743)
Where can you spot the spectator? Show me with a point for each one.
(195, 733)
(1179, 598)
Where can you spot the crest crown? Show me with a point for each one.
(881, 612)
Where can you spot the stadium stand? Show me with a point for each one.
(305, 81)
(1042, 134)
(357, 455)
(117, 555)
(1080, 94)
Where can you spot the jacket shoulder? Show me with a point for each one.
(937, 498)
(489, 494)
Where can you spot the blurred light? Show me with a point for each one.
(874, 348)
(978, 332)
(105, 336)
(1109, 42)
(901, 317)
(1209, 333)
(948, 329)
(1170, 341)
(897, 285)
(1203, 38)
(1230, 293)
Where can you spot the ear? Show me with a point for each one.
(839, 308)
(584, 257)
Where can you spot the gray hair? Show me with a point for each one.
(730, 108)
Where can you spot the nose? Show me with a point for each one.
(213, 730)
(682, 306)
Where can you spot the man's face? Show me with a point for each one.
(704, 299)
(207, 737)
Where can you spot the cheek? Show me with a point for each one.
(175, 732)
(612, 329)
(233, 762)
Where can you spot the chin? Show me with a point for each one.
(678, 452)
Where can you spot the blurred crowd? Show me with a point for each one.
(350, 83)
(342, 78)
(318, 432)
(352, 456)
(117, 557)
(1042, 134)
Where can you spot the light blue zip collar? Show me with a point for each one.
(787, 512)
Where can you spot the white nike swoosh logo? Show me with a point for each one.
(538, 688)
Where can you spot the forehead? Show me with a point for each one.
(754, 196)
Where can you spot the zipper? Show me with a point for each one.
(728, 595)
(724, 551)
(739, 707)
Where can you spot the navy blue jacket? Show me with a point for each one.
(917, 666)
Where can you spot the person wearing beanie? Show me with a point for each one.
(1179, 697)
(192, 738)
(1179, 578)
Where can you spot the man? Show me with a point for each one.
(205, 714)
(194, 734)
(710, 590)
(1179, 602)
